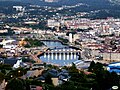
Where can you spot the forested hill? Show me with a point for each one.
(96, 8)
(9, 3)
(66, 2)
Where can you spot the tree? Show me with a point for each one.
(115, 79)
(90, 68)
(1, 46)
(48, 79)
(5, 66)
(16, 84)
(16, 73)
(1, 77)
(73, 69)
(98, 68)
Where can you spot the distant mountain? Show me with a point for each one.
(58, 3)
(95, 8)
(61, 2)
(8, 3)
(64, 2)
(11, 0)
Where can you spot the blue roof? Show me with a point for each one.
(114, 70)
(114, 67)
(114, 64)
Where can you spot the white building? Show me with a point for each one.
(19, 63)
(4, 42)
(53, 23)
(19, 8)
(50, 1)
(70, 38)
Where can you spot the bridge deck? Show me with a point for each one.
(63, 51)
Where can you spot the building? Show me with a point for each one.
(50, 1)
(4, 42)
(70, 38)
(75, 37)
(19, 8)
(114, 67)
(3, 31)
(19, 63)
(110, 56)
(53, 23)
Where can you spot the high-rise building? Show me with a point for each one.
(70, 38)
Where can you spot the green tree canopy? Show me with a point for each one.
(16, 84)
(1, 77)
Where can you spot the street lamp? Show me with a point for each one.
(19, 71)
(11, 76)
(114, 87)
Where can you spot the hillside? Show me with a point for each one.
(96, 8)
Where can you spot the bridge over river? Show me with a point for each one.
(62, 54)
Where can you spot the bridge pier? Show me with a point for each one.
(71, 55)
(68, 56)
(59, 54)
(56, 55)
(44, 55)
(75, 56)
(48, 55)
(52, 56)
(64, 56)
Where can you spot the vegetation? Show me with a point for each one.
(5, 67)
(27, 60)
(1, 77)
(96, 78)
(33, 43)
(16, 84)
(1, 46)
(63, 40)
(104, 80)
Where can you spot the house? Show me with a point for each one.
(57, 77)
(19, 63)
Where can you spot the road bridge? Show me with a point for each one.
(63, 54)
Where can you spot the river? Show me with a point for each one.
(60, 58)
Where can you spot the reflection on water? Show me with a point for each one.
(54, 44)
(61, 54)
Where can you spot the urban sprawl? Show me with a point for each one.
(22, 35)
